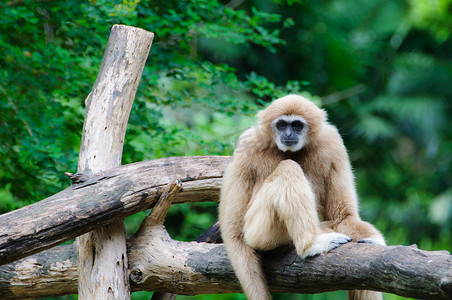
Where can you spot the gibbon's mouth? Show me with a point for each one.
(289, 142)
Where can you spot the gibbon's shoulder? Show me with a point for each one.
(252, 148)
(330, 140)
(329, 131)
(247, 141)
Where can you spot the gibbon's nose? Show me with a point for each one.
(289, 133)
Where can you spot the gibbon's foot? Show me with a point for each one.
(374, 240)
(325, 242)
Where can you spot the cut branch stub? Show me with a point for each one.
(77, 178)
(158, 213)
(155, 222)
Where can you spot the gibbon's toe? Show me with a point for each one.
(325, 242)
(374, 240)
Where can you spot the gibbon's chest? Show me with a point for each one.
(314, 167)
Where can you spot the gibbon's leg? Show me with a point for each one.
(263, 228)
(284, 208)
(244, 260)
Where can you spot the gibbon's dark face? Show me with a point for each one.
(290, 132)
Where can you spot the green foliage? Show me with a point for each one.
(382, 69)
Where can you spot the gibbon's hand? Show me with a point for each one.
(325, 242)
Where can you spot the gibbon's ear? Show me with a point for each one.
(293, 105)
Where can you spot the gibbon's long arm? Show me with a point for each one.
(341, 206)
(245, 261)
(341, 203)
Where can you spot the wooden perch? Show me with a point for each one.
(159, 263)
(211, 235)
(156, 218)
(102, 252)
(103, 198)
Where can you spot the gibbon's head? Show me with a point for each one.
(291, 122)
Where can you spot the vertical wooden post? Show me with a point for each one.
(102, 253)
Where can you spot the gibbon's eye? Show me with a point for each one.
(281, 125)
(297, 125)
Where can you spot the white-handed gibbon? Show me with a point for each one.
(286, 171)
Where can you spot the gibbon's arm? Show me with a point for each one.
(235, 195)
(341, 203)
(341, 198)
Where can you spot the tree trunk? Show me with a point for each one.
(102, 253)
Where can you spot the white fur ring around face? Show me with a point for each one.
(325, 242)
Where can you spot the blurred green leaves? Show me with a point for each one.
(382, 69)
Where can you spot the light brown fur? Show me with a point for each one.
(270, 197)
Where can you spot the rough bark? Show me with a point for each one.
(159, 263)
(97, 200)
(211, 235)
(102, 252)
(51, 273)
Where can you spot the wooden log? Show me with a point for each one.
(159, 211)
(159, 263)
(102, 253)
(102, 198)
(211, 235)
(189, 268)
(156, 218)
(51, 273)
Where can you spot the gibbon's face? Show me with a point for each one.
(290, 132)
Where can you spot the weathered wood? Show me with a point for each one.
(158, 213)
(51, 273)
(159, 263)
(204, 268)
(157, 217)
(102, 253)
(111, 195)
(211, 235)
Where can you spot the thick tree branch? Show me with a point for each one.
(100, 199)
(159, 263)
(156, 218)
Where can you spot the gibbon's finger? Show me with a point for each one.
(340, 241)
(373, 240)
